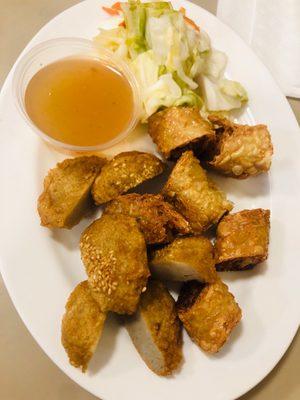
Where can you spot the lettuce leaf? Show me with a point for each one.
(223, 94)
(135, 22)
(156, 91)
(173, 62)
(215, 64)
(233, 89)
(189, 98)
(113, 40)
(163, 93)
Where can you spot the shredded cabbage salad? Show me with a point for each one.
(171, 57)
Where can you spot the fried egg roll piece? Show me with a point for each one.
(155, 330)
(242, 240)
(209, 313)
(240, 151)
(66, 197)
(157, 219)
(82, 326)
(185, 259)
(113, 251)
(177, 129)
(125, 171)
(194, 195)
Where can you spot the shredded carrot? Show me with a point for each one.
(110, 11)
(122, 24)
(192, 23)
(116, 6)
(182, 10)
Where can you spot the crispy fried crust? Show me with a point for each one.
(113, 251)
(82, 326)
(66, 197)
(125, 171)
(158, 312)
(208, 313)
(241, 150)
(157, 219)
(194, 195)
(177, 129)
(185, 259)
(242, 240)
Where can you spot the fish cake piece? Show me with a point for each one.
(125, 171)
(194, 195)
(177, 129)
(209, 313)
(113, 252)
(185, 259)
(242, 240)
(157, 219)
(241, 151)
(66, 197)
(155, 330)
(82, 326)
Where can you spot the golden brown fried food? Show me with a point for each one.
(155, 330)
(242, 240)
(157, 219)
(113, 251)
(177, 129)
(208, 313)
(82, 326)
(194, 195)
(125, 171)
(185, 259)
(67, 191)
(240, 150)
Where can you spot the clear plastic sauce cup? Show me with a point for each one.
(54, 50)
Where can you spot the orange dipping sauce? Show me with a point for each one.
(81, 102)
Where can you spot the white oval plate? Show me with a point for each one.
(40, 267)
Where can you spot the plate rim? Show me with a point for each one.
(4, 89)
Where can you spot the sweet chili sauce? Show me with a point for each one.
(80, 101)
